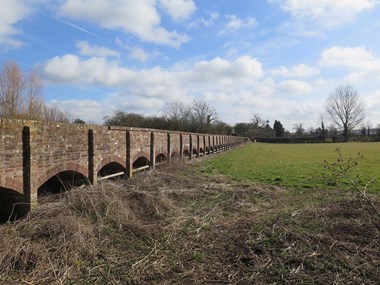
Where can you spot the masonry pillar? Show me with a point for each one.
(92, 176)
(128, 166)
(29, 195)
(204, 145)
(152, 151)
(169, 151)
(191, 146)
(180, 146)
(198, 148)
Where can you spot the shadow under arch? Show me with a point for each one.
(175, 155)
(111, 168)
(160, 158)
(186, 153)
(12, 205)
(62, 182)
(141, 163)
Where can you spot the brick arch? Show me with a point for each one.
(186, 152)
(175, 153)
(165, 155)
(70, 166)
(110, 159)
(161, 153)
(12, 184)
(142, 154)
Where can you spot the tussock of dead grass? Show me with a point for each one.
(173, 226)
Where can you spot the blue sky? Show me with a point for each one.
(277, 58)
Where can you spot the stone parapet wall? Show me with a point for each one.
(32, 152)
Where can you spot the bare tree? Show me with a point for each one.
(203, 113)
(21, 96)
(35, 103)
(55, 114)
(299, 130)
(345, 108)
(257, 121)
(198, 116)
(12, 86)
(176, 111)
(323, 130)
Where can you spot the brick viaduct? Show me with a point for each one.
(36, 156)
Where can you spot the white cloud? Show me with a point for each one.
(86, 109)
(372, 102)
(139, 18)
(149, 89)
(12, 12)
(229, 85)
(299, 70)
(294, 87)
(350, 57)
(179, 9)
(223, 72)
(70, 69)
(328, 13)
(236, 23)
(93, 50)
(360, 63)
(139, 54)
(206, 22)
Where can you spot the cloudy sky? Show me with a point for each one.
(278, 58)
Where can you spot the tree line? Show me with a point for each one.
(197, 116)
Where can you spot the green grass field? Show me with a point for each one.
(295, 165)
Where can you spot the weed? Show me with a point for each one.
(200, 257)
(340, 172)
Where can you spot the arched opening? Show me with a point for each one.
(201, 151)
(12, 205)
(141, 163)
(160, 158)
(111, 170)
(175, 155)
(62, 182)
(207, 150)
(195, 152)
(186, 153)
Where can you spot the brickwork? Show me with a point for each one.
(161, 143)
(32, 152)
(185, 142)
(109, 146)
(175, 144)
(11, 155)
(140, 144)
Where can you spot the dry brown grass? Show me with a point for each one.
(174, 226)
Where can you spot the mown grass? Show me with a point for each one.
(297, 166)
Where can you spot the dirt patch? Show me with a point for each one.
(174, 226)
